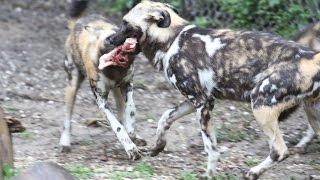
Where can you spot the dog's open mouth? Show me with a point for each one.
(120, 55)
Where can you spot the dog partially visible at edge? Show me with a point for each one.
(273, 74)
(108, 69)
(308, 37)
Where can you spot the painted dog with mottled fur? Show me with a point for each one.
(205, 64)
(87, 50)
(309, 37)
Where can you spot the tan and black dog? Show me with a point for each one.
(309, 37)
(204, 64)
(86, 49)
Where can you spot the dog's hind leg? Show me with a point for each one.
(267, 118)
(75, 78)
(313, 113)
(312, 109)
(302, 145)
(166, 121)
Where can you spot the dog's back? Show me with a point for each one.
(85, 41)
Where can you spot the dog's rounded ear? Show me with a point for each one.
(162, 18)
(90, 29)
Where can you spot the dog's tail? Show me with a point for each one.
(75, 11)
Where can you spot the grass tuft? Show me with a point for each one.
(26, 135)
(81, 172)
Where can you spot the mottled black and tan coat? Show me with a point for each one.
(85, 44)
(205, 64)
(308, 37)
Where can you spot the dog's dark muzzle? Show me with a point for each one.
(126, 31)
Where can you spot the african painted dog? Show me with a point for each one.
(86, 46)
(309, 37)
(204, 64)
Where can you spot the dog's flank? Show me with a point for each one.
(86, 48)
(203, 64)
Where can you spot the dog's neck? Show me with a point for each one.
(155, 51)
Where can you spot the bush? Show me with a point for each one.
(277, 16)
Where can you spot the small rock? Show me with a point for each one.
(232, 108)
(315, 177)
(223, 149)
(129, 169)
(36, 115)
(50, 102)
(150, 120)
(246, 113)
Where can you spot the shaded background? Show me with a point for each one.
(283, 17)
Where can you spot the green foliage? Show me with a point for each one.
(251, 162)
(115, 7)
(225, 176)
(26, 135)
(201, 21)
(277, 16)
(8, 172)
(81, 172)
(139, 83)
(142, 170)
(119, 7)
(231, 135)
(85, 142)
(188, 176)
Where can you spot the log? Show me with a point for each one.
(6, 149)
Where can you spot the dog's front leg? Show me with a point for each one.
(165, 122)
(208, 135)
(117, 127)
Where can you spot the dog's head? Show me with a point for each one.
(148, 21)
(109, 54)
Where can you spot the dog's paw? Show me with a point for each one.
(154, 151)
(134, 154)
(298, 150)
(139, 141)
(65, 149)
(249, 175)
(159, 147)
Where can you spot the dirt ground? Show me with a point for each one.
(32, 81)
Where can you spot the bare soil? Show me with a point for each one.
(32, 81)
